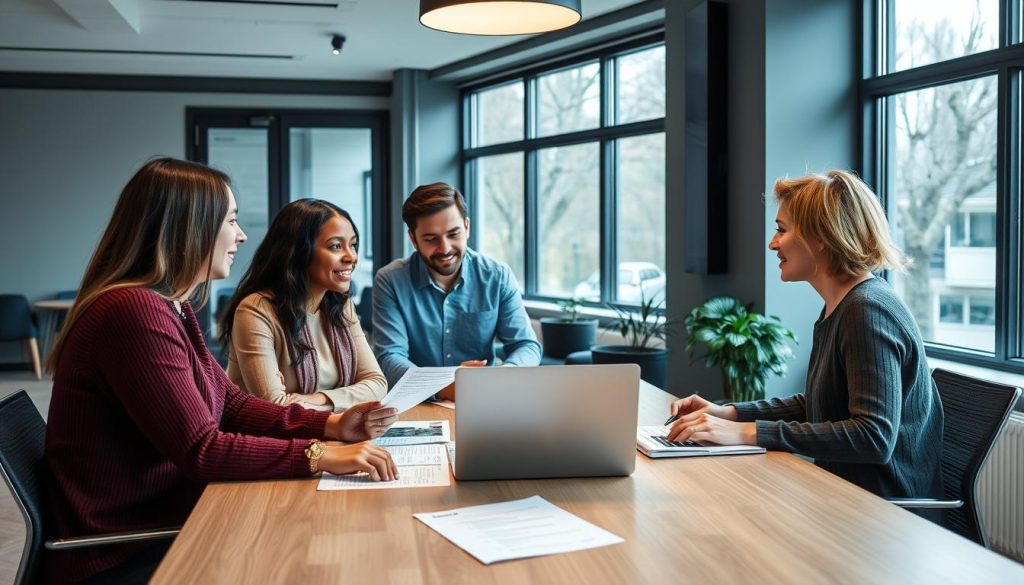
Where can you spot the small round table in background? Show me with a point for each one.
(50, 312)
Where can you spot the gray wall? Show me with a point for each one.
(425, 142)
(811, 126)
(792, 108)
(66, 156)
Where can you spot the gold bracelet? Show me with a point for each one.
(313, 452)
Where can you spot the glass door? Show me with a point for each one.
(274, 157)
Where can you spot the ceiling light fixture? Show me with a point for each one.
(499, 17)
(336, 42)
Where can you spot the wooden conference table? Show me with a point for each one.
(771, 518)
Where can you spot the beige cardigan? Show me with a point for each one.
(259, 351)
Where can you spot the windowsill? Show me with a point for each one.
(538, 309)
(998, 376)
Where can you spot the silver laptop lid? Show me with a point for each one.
(547, 421)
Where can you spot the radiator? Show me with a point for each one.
(1001, 491)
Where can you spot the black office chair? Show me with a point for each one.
(975, 413)
(18, 324)
(22, 437)
(364, 310)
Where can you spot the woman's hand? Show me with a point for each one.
(314, 399)
(359, 457)
(703, 427)
(695, 404)
(359, 422)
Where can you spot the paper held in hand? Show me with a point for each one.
(417, 385)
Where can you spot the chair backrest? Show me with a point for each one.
(66, 295)
(975, 413)
(15, 318)
(365, 308)
(22, 437)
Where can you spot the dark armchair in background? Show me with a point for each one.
(18, 324)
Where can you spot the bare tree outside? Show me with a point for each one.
(568, 176)
(944, 145)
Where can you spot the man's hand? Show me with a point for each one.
(448, 392)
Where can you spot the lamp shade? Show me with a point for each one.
(499, 17)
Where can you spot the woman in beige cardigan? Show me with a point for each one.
(291, 329)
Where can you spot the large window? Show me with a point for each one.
(942, 126)
(565, 169)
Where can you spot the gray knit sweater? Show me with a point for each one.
(870, 412)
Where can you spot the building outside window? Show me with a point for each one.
(565, 169)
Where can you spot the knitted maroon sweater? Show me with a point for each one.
(141, 418)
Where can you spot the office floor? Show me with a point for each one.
(12, 527)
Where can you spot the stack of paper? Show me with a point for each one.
(415, 432)
(418, 466)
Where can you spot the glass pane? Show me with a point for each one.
(569, 100)
(951, 309)
(242, 154)
(641, 218)
(499, 114)
(945, 159)
(927, 31)
(568, 200)
(983, 230)
(640, 85)
(335, 164)
(501, 226)
(983, 311)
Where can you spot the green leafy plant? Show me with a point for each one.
(641, 327)
(747, 346)
(570, 309)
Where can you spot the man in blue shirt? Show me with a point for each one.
(445, 304)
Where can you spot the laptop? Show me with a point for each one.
(547, 421)
(653, 441)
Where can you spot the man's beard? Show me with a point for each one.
(434, 262)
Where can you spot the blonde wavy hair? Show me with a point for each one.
(160, 237)
(845, 214)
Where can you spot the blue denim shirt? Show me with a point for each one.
(415, 322)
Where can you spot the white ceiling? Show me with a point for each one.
(382, 35)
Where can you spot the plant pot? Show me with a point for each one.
(563, 337)
(651, 361)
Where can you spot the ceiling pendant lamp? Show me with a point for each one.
(499, 17)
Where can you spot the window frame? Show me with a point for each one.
(605, 136)
(1006, 63)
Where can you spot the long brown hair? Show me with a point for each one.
(160, 236)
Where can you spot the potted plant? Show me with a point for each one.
(640, 328)
(568, 333)
(747, 346)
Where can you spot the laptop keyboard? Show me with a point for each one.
(664, 441)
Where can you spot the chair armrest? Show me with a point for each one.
(925, 503)
(112, 538)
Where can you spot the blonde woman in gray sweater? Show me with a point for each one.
(869, 411)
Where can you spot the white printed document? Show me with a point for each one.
(417, 385)
(653, 442)
(518, 529)
(418, 466)
(415, 432)
(435, 454)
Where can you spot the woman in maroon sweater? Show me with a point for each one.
(141, 416)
